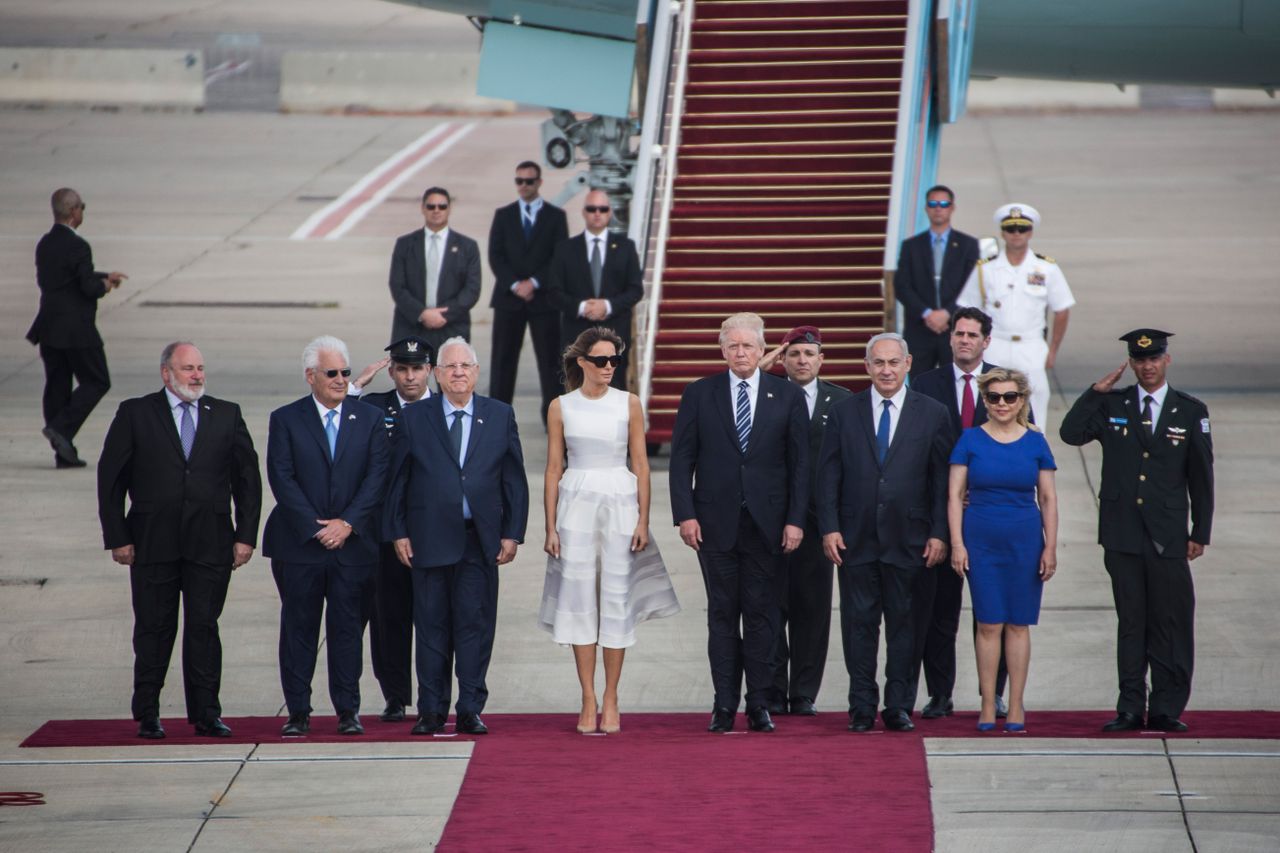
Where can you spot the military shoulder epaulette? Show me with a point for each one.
(1045, 258)
(1188, 397)
(982, 261)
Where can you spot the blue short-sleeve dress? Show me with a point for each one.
(1002, 527)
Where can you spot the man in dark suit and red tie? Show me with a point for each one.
(739, 479)
(595, 280)
(882, 508)
(65, 327)
(932, 269)
(435, 276)
(456, 511)
(522, 239)
(181, 458)
(327, 465)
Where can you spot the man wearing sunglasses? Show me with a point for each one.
(327, 465)
(522, 239)
(435, 277)
(932, 268)
(595, 279)
(1017, 289)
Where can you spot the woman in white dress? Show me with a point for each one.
(604, 574)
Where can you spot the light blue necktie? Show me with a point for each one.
(882, 432)
(743, 416)
(187, 430)
(331, 430)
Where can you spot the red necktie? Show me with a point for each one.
(966, 403)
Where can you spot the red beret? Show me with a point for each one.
(804, 334)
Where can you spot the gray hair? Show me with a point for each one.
(888, 336)
(457, 341)
(64, 203)
(166, 355)
(324, 343)
(744, 320)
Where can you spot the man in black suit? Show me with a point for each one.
(457, 510)
(391, 616)
(882, 507)
(939, 594)
(65, 327)
(327, 465)
(182, 458)
(435, 277)
(522, 239)
(804, 583)
(595, 280)
(932, 269)
(1157, 461)
(739, 480)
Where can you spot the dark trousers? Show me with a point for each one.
(936, 603)
(156, 589)
(391, 627)
(1155, 605)
(65, 410)
(508, 340)
(455, 609)
(804, 629)
(742, 615)
(928, 350)
(867, 593)
(306, 593)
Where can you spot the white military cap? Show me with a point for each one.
(1017, 213)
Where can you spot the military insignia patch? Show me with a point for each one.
(1143, 342)
(1204, 425)
(1036, 278)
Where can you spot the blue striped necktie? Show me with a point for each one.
(743, 416)
(882, 432)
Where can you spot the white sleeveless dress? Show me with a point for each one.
(596, 514)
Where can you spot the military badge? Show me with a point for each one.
(1035, 278)
(1204, 425)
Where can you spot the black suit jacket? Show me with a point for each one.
(513, 258)
(1148, 482)
(424, 503)
(459, 286)
(569, 283)
(308, 485)
(939, 384)
(913, 280)
(828, 395)
(711, 478)
(885, 512)
(69, 291)
(178, 508)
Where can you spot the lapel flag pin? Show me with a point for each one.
(351, 417)
(479, 420)
(769, 394)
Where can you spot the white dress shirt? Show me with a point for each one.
(810, 395)
(325, 412)
(753, 391)
(434, 286)
(958, 373)
(175, 402)
(895, 410)
(1157, 403)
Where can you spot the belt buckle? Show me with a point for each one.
(1015, 338)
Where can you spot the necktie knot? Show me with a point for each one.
(968, 377)
(1148, 399)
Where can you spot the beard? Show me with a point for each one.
(190, 393)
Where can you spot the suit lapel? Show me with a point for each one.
(312, 424)
(418, 257)
(721, 389)
(164, 416)
(478, 412)
(766, 406)
(900, 434)
(435, 415)
(1135, 401)
(204, 423)
(863, 418)
(346, 422)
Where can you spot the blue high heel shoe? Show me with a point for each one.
(986, 727)
(1015, 727)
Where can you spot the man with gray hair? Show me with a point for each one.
(327, 465)
(65, 327)
(882, 510)
(181, 457)
(739, 493)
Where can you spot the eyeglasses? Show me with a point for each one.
(333, 372)
(601, 360)
(934, 202)
(444, 206)
(1016, 229)
(1009, 397)
(457, 365)
(528, 182)
(592, 208)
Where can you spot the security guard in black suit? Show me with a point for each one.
(391, 619)
(1157, 460)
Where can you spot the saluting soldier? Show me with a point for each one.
(1017, 289)
(1157, 459)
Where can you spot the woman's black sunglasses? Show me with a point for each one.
(601, 360)
(1009, 397)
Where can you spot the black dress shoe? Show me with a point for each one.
(471, 724)
(802, 707)
(758, 720)
(897, 720)
(428, 724)
(1002, 708)
(1124, 722)
(349, 723)
(777, 706)
(938, 707)
(213, 728)
(59, 462)
(63, 447)
(1165, 723)
(861, 721)
(721, 721)
(298, 725)
(150, 728)
(393, 713)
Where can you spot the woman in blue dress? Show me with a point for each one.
(1003, 512)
